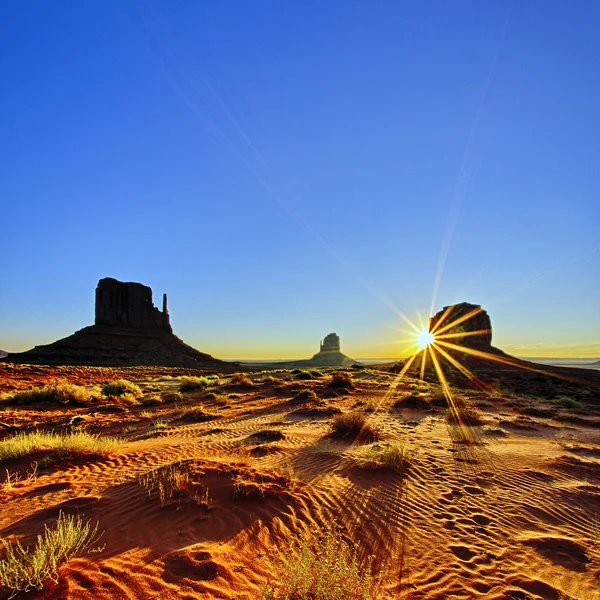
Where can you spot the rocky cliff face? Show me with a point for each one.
(128, 331)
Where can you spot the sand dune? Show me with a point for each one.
(512, 516)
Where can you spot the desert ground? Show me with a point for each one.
(223, 489)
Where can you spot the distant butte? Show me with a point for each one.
(329, 355)
(128, 331)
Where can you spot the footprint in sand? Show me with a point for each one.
(463, 553)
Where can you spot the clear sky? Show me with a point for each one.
(288, 169)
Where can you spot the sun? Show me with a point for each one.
(424, 338)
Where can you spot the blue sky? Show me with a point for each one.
(283, 170)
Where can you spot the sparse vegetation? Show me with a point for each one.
(412, 400)
(322, 566)
(121, 387)
(191, 384)
(197, 414)
(159, 425)
(174, 481)
(304, 375)
(464, 413)
(341, 379)
(305, 397)
(23, 569)
(75, 443)
(354, 426)
(239, 380)
(53, 393)
(566, 403)
(395, 457)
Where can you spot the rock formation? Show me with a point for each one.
(128, 331)
(329, 355)
(464, 318)
(129, 304)
(331, 343)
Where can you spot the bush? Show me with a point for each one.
(23, 569)
(395, 457)
(305, 397)
(190, 384)
(120, 387)
(68, 444)
(322, 566)
(341, 379)
(239, 380)
(412, 400)
(566, 403)
(197, 415)
(174, 481)
(55, 393)
(353, 425)
(304, 375)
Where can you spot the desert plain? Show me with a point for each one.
(220, 486)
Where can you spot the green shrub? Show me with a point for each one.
(190, 384)
(23, 569)
(75, 443)
(566, 403)
(120, 387)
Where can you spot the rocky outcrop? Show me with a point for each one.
(128, 331)
(465, 324)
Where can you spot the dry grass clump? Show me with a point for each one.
(353, 426)
(412, 400)
(304, 375)
(121, 387)
(75, 443)
(23, 569)
(322, 566)
(53, 393)
(341, 379)
(464, 413)
(267, 435)
(239, 380)
(190, 384)
(197, 414)
(269, 379)
(171, 397)
(305, 397)
(394, 457)
(174, 481)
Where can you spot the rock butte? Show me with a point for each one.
(128, 331)
(329, 355)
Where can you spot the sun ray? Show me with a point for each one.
(424, 362)
(458, 321)
(500, 359)
(465, 431)
(398, 377)
(445, 336)
(466, 372)
(444, 316)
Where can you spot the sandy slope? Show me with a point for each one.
(511, 517)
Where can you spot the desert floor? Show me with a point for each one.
(515, 513)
